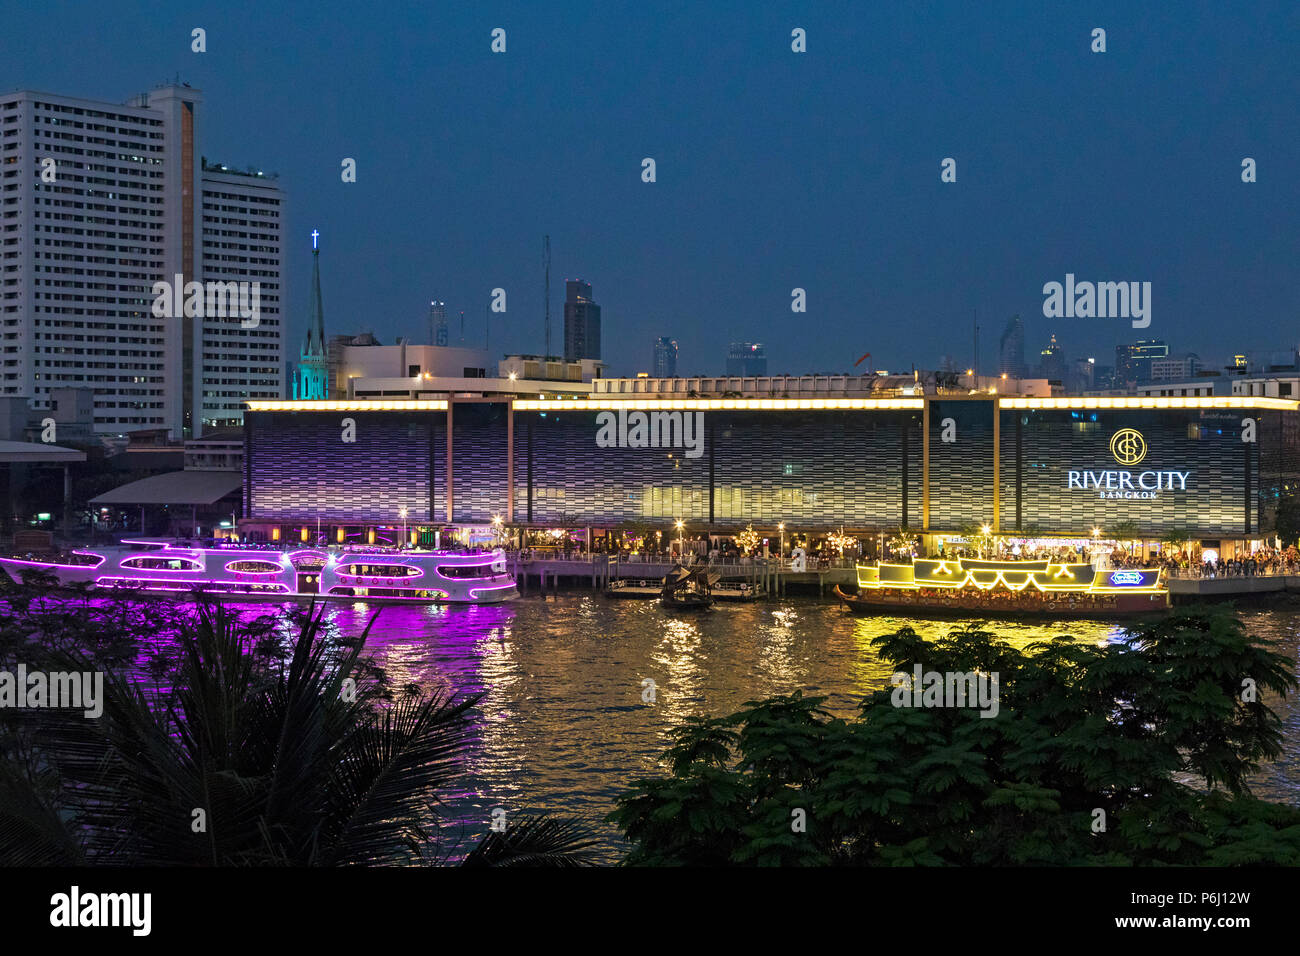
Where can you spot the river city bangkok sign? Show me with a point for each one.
(1129, 448)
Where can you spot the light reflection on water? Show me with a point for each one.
(562, 727)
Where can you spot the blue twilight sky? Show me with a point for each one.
(775, 170)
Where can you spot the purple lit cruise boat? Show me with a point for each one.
(162, 568)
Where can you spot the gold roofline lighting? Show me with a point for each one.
(1150, 401)
(709, 404)
(777, 404)
(376, 405)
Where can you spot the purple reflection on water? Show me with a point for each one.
(562, 728)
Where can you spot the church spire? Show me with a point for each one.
(315, 344)
(312, 378)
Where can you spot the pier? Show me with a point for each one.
(1188, 590)
(744, 581)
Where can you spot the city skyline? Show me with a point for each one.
(824, 175)
(707, 436)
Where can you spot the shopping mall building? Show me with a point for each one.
(1027, 467)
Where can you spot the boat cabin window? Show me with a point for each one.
(379, 570)
(467, 571)
(254, 567)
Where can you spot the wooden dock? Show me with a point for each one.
(746, 581)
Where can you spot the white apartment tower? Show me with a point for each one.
(242, 219)
(97, 203)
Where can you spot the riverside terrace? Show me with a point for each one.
(1059, 468)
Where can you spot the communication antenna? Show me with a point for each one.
(546, 259)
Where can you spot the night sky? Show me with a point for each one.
(775, 169)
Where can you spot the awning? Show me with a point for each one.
(174, 488)
(25, 451)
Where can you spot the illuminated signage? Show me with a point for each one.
(1126, 484)
(1129, 448)
(985, 575)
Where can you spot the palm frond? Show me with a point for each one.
(536, 841)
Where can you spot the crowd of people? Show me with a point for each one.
(1210, 565)
(1175, 563)
(721, 550)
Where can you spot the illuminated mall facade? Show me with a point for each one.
(1211, 467)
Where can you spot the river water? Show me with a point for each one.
(563, 729)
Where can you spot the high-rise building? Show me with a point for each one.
(665, 358)
(438, 323)
(1051, 362)
(1083, 375)
(581, 322)
(1175, 368)
(238, 359)
(1133, 362)
(746, 359)
(1011, 349)
(100, 204)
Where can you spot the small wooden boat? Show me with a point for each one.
(689, 587)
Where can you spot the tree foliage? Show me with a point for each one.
(266, 743)
(1288, 516)
(1118, 728)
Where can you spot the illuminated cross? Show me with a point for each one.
(315, 234)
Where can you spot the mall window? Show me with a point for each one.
(1195, 431)
(1086, 428)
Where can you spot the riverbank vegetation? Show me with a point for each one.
(1130, 753)
(234, 742)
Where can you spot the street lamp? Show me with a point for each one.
(496, 528)
(680, 555)
(781, 528)
(402, 511)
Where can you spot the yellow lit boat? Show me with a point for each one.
(1020, 588)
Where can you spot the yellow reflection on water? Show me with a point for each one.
(677, 659)
(563, 728)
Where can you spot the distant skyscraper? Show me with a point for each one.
(746, 359)
(1051, 362)
(1133, 362)
(665, 358)
(1083, 375)
(1011, 349)
(1174, 368)
(128, 201)
(438, 323)
(581, 322)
